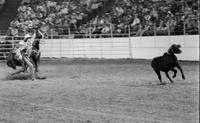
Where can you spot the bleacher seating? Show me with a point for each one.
(139, 17)
(8, 14)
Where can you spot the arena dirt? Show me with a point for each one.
(99, 91)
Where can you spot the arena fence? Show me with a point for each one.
(111, 48)
(137, 30)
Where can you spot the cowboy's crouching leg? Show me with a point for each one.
(18, 55)
(30, 65)
(23, 69)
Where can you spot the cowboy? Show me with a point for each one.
(23, 52)
(25, 45)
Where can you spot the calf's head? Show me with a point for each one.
(175, 48)
(10, 60)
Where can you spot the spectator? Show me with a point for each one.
(140, 15)
(106, 29)
(2, 2)
(22, 8)
(136, 20)
(24, 2)
(13, 31)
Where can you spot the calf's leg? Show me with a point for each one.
(159, 77)
(179, 67)
(175, 72)
(166, 73)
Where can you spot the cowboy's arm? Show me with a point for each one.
(33, 37)
(30, 41)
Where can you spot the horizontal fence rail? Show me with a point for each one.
(6, 46)
(145, 47)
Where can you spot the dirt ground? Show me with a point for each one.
(99, 91)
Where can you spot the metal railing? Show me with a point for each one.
(8, 42)
(65, 32)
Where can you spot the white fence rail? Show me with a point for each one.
(134, 47)
(125, 47)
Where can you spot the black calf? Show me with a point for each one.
(12, 61)
(167, 62)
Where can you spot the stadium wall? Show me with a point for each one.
(115, 48)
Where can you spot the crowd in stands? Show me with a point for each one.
(2, 3)
(48, 14)
(145, 17)
(137, 17)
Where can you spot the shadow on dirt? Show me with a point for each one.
(153, 84)
(23, 77)
(19, 77)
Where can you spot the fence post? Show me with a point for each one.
(111, 30)
(129, 31)
(140, 29)
(129, 43)
(60, 46)
(154, 29)
(69, 33)
(12, 41)
(51, 33)
(184, 30)
(168, 30)
(90, 31)
(198, 22)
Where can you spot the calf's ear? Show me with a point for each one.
(178, 45)
(10, 64)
